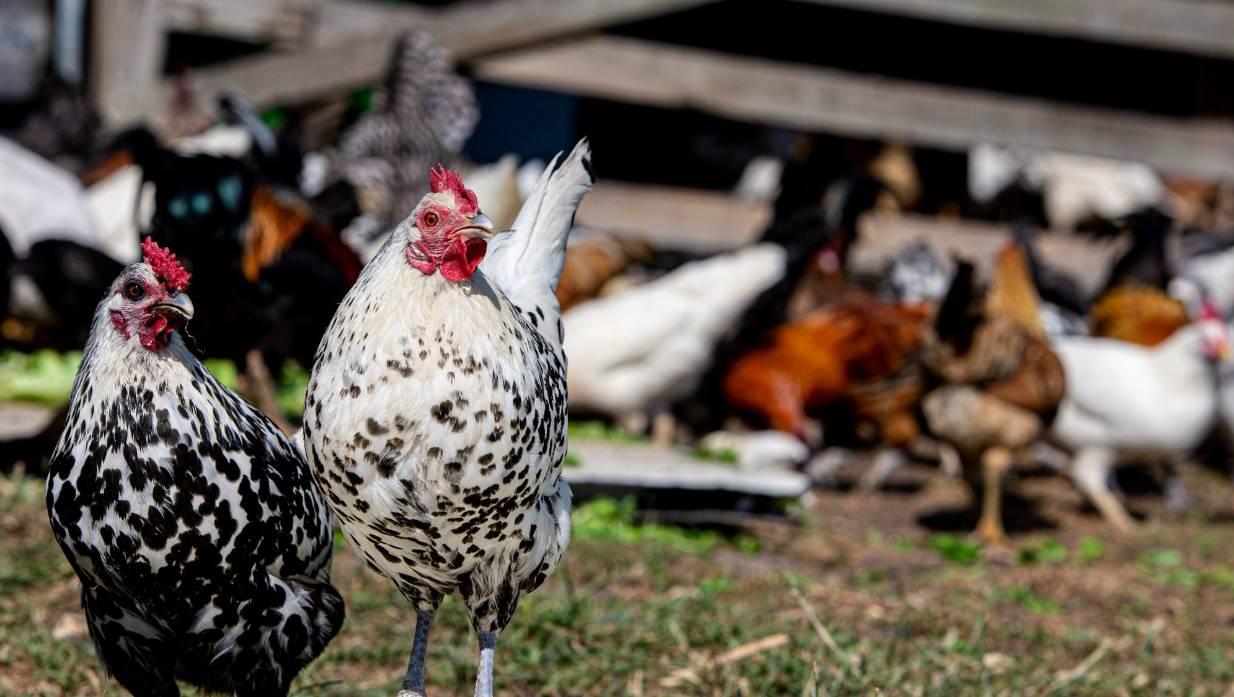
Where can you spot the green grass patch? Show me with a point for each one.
(42, 377)
(613, 520)
(598, 430)
(727, 456)
(1026, 598)
(955, 549)
(1045, 552)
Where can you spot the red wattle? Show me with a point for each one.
(152, 338)
(459, 263)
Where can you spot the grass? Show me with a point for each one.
(821, 609)
(46, 377)
(42, 377)
(598, 430)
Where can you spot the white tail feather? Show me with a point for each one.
(526, 262)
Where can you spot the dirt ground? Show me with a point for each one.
(865, 594)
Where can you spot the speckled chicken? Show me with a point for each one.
(423, 114)
(202, 547)
(435, 419)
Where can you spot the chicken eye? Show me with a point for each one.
(134, 291)
(430, 219)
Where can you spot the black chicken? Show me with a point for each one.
(270, 273)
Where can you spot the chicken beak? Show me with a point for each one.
(480, 227)
(179, 305)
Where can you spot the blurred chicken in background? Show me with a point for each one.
(593, 260)
(999, 381)
(1128, 402)
(633, 354)
(421, 117)
(832, 355)
(1135, 306)
(268, 273)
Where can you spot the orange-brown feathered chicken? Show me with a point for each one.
(1138, 314)
(1133, 307)
(833, 354)
(1000, 381)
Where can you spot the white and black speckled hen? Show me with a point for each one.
(435, 420)
(202, 546)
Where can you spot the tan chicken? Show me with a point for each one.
(592, 261)
(1000, 381)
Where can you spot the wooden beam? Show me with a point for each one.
(284, 22)
(355, 39)
(128, 43)
(673, 217)
(883, 235)
(823, 99)
(1187, 26)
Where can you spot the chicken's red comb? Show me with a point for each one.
(1208, 310)
(165, 265)
(441, 180)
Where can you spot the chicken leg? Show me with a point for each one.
(484, 675)
(413, 682)
(1090, 470)
(994, 465)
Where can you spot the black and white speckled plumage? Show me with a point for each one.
(202, 547)
(423, 115)
(435, 419)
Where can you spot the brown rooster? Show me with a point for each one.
(838, 353)
(1001, 382)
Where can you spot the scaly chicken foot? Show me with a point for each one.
(413, 682)
(995, 463)
(484, 676)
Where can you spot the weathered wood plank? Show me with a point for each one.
(883, 235)
(611, 465)
(284, 22)
(672, 217)
(815, 98)
(128, 41)
(708, 222)
(1200, 27)
(355, 50)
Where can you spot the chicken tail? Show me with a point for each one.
(1013, 294)
(526, 262)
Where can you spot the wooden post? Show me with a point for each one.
(126, 59)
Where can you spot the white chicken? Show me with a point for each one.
(635, 353)
(39, 200)
(1206, 274)
(1075, 187)
(1124, 400)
